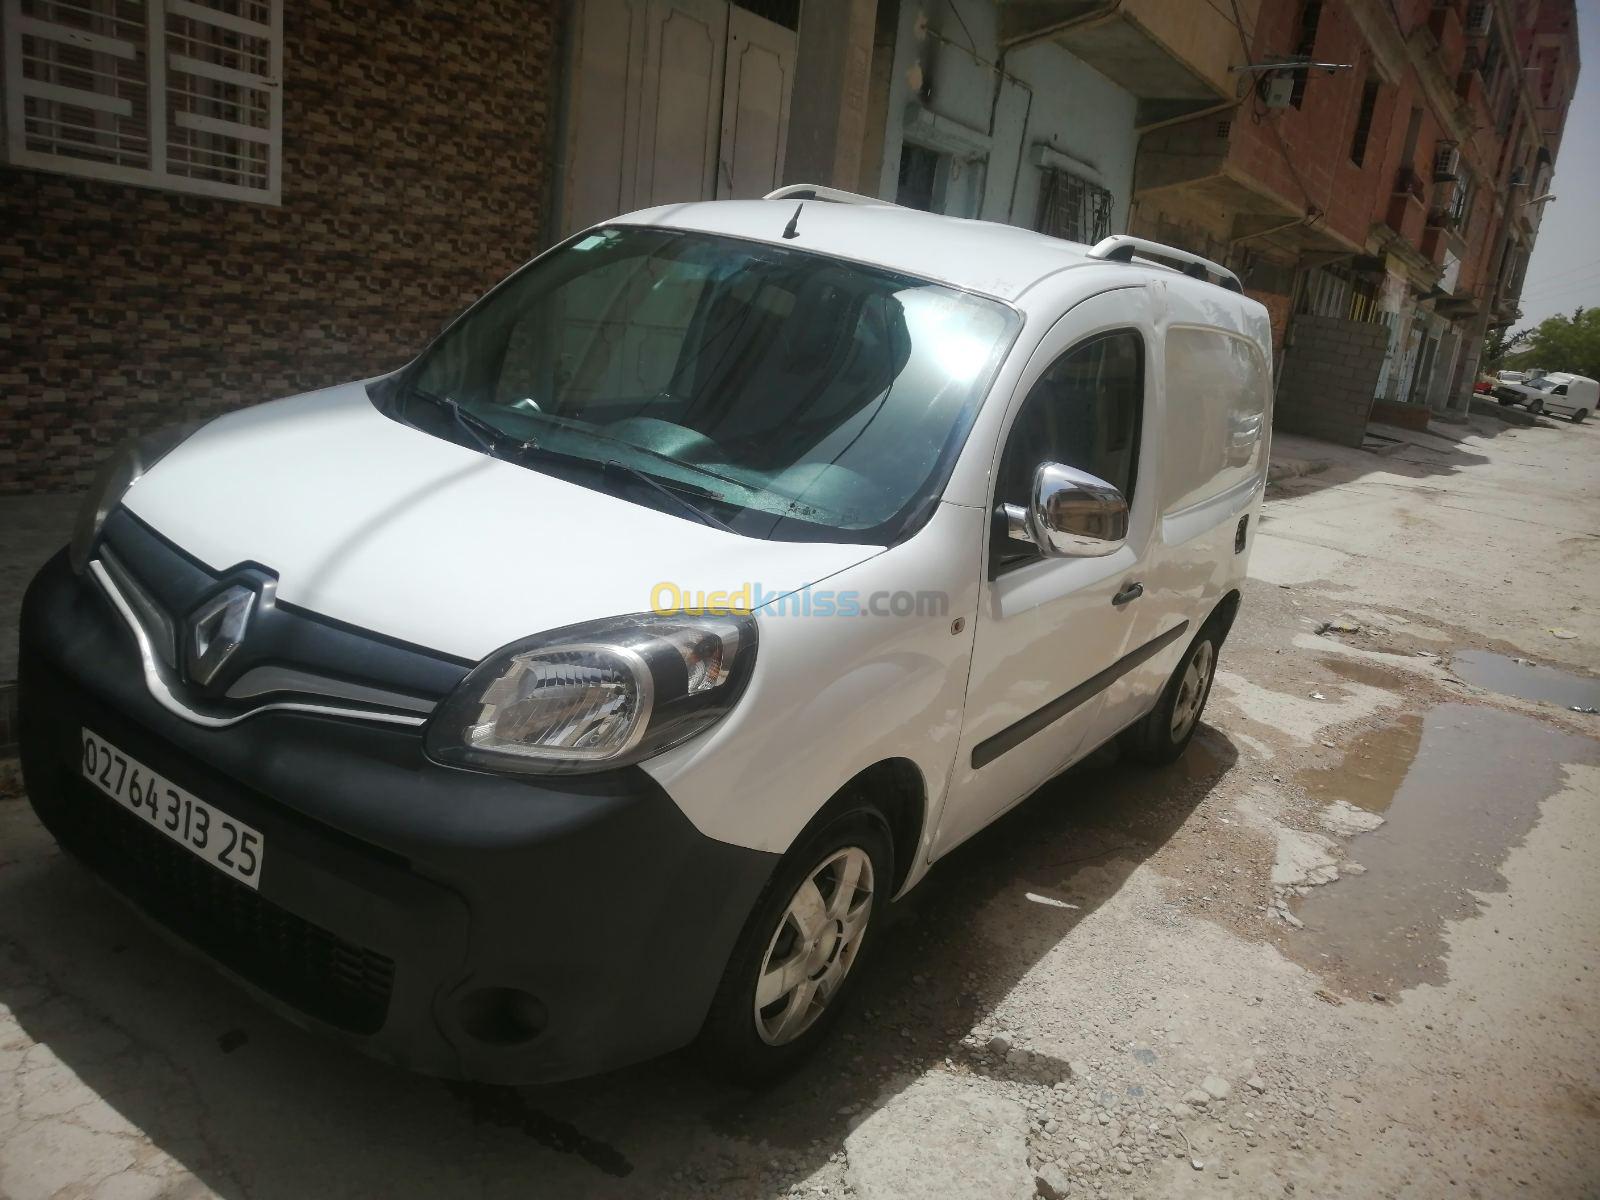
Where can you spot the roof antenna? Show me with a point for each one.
(792, 229)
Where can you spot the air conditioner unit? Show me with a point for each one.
(1480, 19)
(1446, 162)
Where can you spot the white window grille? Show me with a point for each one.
(177, 94)
(1446, 161)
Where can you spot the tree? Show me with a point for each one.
(1570, 344)
(1498, 345)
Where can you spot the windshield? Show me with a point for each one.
(780, 393)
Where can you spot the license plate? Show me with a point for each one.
(223, 841)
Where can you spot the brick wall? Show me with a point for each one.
(415, 174)
(1192, 222)
(1302, 154)
(1330, 372)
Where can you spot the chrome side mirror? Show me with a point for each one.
(1072, 514)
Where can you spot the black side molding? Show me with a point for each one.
(1012, 736)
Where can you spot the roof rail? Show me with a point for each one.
(1122, 247)
(815, 191)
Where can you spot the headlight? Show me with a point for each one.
(112, 481)
(595, 696)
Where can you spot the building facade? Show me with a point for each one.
(1359, 163)
(1407, 177)
(213, 202)
(1033, 113)
(325, 185)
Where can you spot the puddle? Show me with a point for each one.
(1528, 681)
(1373, 769)
(1360, 671)
(1458, 787)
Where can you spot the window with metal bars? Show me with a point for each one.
(1461, 204)
(1305, 45)
(1072, 207)
(177, 94)
(1333, 291)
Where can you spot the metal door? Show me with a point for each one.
(671, 101)
(755, 106)
(1051, 634)
(685, 47)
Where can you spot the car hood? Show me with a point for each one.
(380, 525)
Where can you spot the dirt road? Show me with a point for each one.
(1350, 946)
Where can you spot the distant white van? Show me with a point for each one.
(1572, 396)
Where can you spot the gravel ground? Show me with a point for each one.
(1346, 947)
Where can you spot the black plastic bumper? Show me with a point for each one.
(393, 890)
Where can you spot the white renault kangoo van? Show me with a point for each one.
(593, 684)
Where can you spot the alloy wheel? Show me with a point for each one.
(814, 946)
(1192, 691)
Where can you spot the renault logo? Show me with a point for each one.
(215, 630)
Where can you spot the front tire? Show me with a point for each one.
(1166, 732)
(1536, 407)
(799, 956)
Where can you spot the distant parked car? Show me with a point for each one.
(1572, 396)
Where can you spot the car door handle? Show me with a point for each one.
(1128, 594)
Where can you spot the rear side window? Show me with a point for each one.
(1216, 415)
(1085, 411)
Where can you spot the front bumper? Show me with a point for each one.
(396, 894)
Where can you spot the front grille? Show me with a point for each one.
(300, 963)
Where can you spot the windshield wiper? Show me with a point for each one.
(677, 497)
(585, 430)
(490, 437)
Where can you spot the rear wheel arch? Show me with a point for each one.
(1222, 616)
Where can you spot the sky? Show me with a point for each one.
(1564, 272)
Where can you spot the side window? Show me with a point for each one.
(1085, 411)
(1217, 390)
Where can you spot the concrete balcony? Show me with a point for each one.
(1408, 213)
(1407, 217)
(1474, 101)
(1449, 40)
(1435, 242)
(1459, 305)
(1174, 55)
